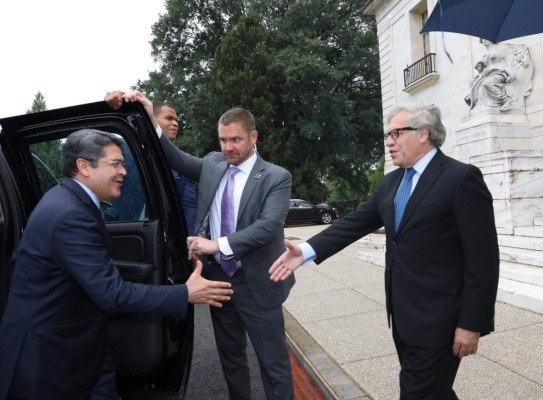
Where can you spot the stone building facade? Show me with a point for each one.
(491, 98)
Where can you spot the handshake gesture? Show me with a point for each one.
(203, 291)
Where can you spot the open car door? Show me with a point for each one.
(152, 353)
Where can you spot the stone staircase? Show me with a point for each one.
(372, 248)
(521, 265)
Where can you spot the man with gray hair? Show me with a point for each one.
(53, 332)
(442, 257)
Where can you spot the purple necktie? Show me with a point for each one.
(228, 223)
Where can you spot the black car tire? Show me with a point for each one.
(326, 217)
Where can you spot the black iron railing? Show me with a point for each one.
(420, 69)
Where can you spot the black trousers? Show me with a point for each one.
(427, 373)
(242, 316)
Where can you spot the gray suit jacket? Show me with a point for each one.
(258, 240)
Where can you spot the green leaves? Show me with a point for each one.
(307, 69)
(38, 104)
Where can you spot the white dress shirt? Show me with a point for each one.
(240, 179)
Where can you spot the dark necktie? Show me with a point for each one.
(228, 223)
(103, 211)
(402, 196)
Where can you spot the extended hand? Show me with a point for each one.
(198, 246)
(202, 291)
(465, 342)
(285, 265)
(115, 100)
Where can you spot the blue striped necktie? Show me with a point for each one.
(402, 196)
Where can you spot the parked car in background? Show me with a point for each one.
(304, 211)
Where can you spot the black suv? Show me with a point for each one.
(152, 353)
(304, 211)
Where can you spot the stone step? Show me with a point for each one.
(529, 231)
(372, 256)
(521, 294)
(520, 285)
(538, 221)
(520, 242)
(373, 241)
(518, 256)
(521, 273)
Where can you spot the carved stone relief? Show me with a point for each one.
(504, 79)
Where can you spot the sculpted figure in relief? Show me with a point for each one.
(504, 79)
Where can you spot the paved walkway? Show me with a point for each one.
(336, 322)
(206, 378)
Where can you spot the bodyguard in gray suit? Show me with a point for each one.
(242, 205)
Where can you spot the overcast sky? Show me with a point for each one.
(72, 51)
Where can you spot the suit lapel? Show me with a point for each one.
(83, 196)
(254, 178)
(213, 183)
(425, 183)
(87, 201)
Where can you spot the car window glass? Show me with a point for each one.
(47, 159)
(130, 206)
(305, 204)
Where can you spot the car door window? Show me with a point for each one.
(131, 206)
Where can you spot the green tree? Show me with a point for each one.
(46, 155)
(374, 176)
(307, 69)
(38, 104)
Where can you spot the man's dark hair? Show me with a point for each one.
(87, 144)
(157, 106)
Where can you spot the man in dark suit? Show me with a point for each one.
(167, 119)
(53, 332)
(442, 257)
(260, 199)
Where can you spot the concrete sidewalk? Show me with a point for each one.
(336, 324)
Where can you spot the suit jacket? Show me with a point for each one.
(259, 237)
(187, 195)
(53, 332)
(442, 265)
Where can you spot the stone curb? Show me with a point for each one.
(331, 380)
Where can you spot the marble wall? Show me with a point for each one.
(504, 138)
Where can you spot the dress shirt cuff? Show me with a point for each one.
(159, 131)
(224, 246)
(308, 252)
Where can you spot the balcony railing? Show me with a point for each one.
(420, 69)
